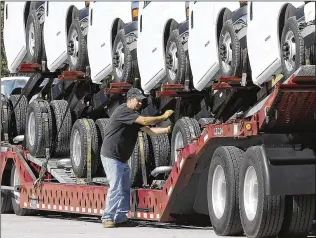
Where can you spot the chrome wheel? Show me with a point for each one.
(31, 39)
(172, 61)
(178, 145)
(73, 47)
(289, 51)
(31, 129)
(76, 146)
(118, 60)
(226, 52)
(16, 182)
(251, 193)
(219, 191)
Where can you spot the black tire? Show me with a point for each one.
(175, 73)
(233, 65)
(291, 25)
(268, 217)
(15, 202)
(189, 129)
(18, 116)
(34, 55)
(135, 164)
(80, 57)
(298, 218)
(80, 167)
(161, 149)
(229, 159)
(5, 118)
(6, 203)
(36, 143)
(58, 108)
(101, 124)
(128, 66)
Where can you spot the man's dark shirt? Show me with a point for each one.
(120, 134)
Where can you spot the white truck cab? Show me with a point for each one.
(106, 19)
(22, 33)
(274, 40)
(60, 50)
(206, 20)
(156, 22)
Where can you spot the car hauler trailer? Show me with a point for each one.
(253, 173)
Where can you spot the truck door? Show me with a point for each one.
(14, 34)
(201, 42)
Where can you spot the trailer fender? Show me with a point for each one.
(285, 168)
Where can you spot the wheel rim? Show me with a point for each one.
(226, 52)
(77, 148)
(219, 191)
(251, 193)
(289, 51)
(31, 39)
(172, 61)
(31, 129)
(178, 145)
(73, 47)
(119, 59)
(16, 182)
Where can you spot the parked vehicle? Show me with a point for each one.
(285, 39)
(22, 33)
(66, 46)
(112, 37)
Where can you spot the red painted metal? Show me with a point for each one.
(118, 88)
(29, 68)
(71, 75)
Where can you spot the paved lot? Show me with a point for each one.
(13, 226)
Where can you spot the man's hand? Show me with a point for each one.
(167, 114)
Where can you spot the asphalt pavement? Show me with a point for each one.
(58, 226)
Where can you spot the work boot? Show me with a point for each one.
(108, 224)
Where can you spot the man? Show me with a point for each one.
(120, 137)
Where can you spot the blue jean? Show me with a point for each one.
(117, 202)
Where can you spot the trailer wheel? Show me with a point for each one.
(230, 53)
(6, 203)
(77, 47)
(37, 113)
(298, 217)
(18, 117)
(5, 117)
(292, 47)
(261, 215)
(124, 67)
(33, 38)
(184, 131)
(58, 108)
(15, 181)
(79, 147)
(161, 149)
(135, 164)
(101, 124)
(222, 191)
(175, 59)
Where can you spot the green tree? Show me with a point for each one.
(4, 67)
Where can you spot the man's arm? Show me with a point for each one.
(156, 130)
(148, 121)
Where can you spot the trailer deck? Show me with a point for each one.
(290, 108)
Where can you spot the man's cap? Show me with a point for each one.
(135, 93)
